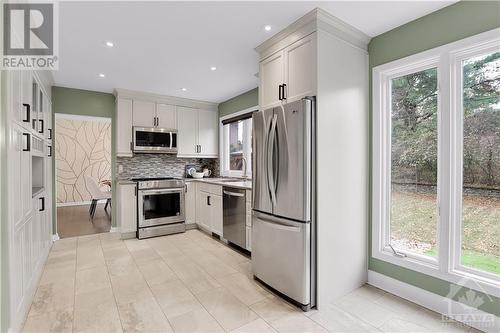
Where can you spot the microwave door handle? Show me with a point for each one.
(270, 154)
(171, 139)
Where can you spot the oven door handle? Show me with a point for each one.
(162, 191)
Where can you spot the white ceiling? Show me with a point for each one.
(161, 47)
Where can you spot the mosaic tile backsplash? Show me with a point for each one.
(161, 165)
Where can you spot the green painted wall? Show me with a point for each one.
(86, 103)
(447, 25)
(240, 102)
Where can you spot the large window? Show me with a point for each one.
(236, 145)
(414, 110)
(436, 161)
(480, 234)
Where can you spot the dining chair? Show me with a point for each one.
(97, 194)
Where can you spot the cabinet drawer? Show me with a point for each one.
(210, 188)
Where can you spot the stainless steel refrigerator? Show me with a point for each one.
(283, 217)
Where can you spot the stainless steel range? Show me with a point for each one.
(160, 206)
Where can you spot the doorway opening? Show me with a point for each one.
(82, 174)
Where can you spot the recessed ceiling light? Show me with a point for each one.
(101, 75)
(184, 89)
(213, 68)
(267, 28)
(110, 44)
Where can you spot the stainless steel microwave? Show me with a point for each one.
(154, 140)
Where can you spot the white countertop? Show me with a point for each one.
(216, 181)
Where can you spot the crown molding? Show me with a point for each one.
(317, 19)
(157, 98)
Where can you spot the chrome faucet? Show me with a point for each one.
(245, 176)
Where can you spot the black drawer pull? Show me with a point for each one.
(41, 123)
(28, 142)
(50, 133)
(43, 204)
(50, 151)
(28, 113)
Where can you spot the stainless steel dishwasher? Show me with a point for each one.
(234, 219)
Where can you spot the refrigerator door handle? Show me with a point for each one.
(270, 153)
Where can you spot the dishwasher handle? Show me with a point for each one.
(234, 194)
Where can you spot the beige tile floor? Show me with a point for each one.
(192, 283)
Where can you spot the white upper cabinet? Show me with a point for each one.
(187, 135)
(123, 127)
(208, 138)
(144, 113)
(300, 70)
(289, 74)
(166, 116)
(196, 122)
(197, 133)
(271, 77)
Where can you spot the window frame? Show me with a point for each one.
(224, 148)
(447, 60)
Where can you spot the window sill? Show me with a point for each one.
(458, 277)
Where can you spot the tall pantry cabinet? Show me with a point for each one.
(28, 125)
(322, 56)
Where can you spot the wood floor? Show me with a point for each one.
(75, 221)
(188, 283)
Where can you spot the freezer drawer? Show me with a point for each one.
(281, 255)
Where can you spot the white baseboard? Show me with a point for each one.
(114, 229)
(55, 237)
(436, 303)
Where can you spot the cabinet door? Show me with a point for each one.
(123, 127)
(127, 209)
(271, 76)
(27, 98)
(216, 214)
(20, 177)
(202, 210)
(190, 199)
(300, 74)
(187, 132)
(144, 113)
(208, 137)
(19, 112)
(27, 250)
(167, 116)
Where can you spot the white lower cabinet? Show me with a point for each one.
(215, 204)
(209, 207)
(190, 202)
(127, 208)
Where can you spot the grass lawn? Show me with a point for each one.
(414, 219)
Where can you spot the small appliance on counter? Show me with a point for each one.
(187, 168)
(160, 206)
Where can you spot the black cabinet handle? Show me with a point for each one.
(28, 113)
(28, 142)
(50, 151)
(43, 204)
(208, 201)
(279, 92)
(50, 133)
(284, 91)
(41, 123)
